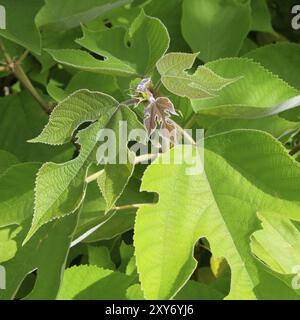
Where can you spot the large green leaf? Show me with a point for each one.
(6, 160)
(16, 209)
(277, 126)
(20, 23)
(282, 59)
(275, 286)
(191, 291)
(86, 80)
(171, 21)
(174, 75)
(65, 183)
(16, 193)
(93, 283)
(261, 17)
(52, 240)
(278, 243)
(258, 93)
(16, 130)
(210, 26)
(81, 106)
(146, 41)
(56, 17)
(246, 172)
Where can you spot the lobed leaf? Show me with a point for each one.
(247, 172)
(278, 243)
(65, 183)
(147, 41)
(258, 93)
(204, 83)
(93, 283)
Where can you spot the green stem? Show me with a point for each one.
(94, 176)
(17, 70)
(132, 206)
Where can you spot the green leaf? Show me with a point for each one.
(135, 292)
(21, 25)
(16, 193)
(171, 21)
(53, 240)
(278, 243)
(8, 246)
(57, 40)
(275, 125)
(191, 291)
(198, 291)
(115, 177)
(56, 17)
(99, 256)
(202, 84)
(258, 93)
(126, 255)
(248, 45)
(210, 26)
(261, 17)
(16, 130)
(82, 60)
(93, 283)
(275, 286)
(246, 172)
(81, 106)
(6, 160)
(65, 183)
(148, 39)
(86, 80)
(281, 59)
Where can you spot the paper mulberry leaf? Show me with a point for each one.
(17, 201)
(15, 131)
(246, 172)
(204, 83)
(258, 92)
(275, 125)
(116, 176)
(60, 188)
(55, 18)
(278, 243)
(261, 17)
(81, 106)
(21, 25)
(94, 283)
(146, 41)
(6, 160)
(216, 28)
(157, 112)
(82, 60)
(281, 58)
